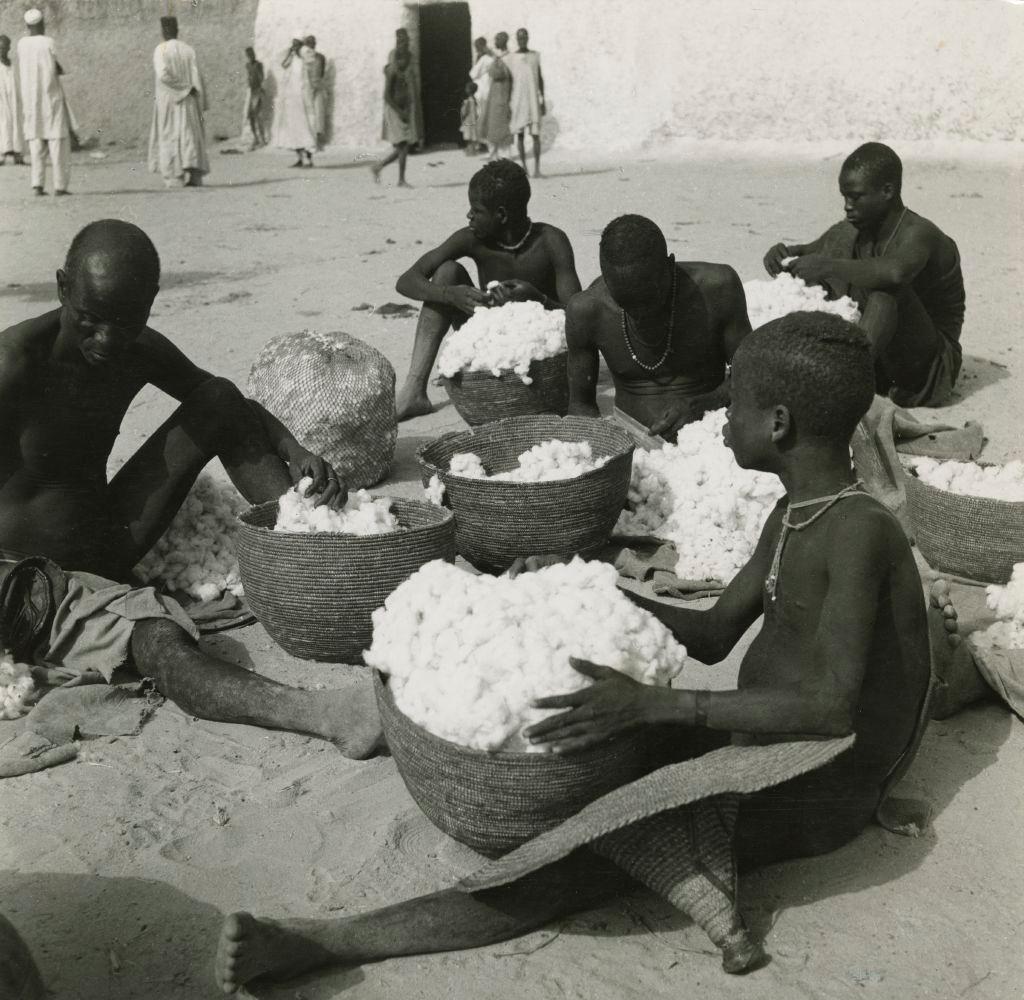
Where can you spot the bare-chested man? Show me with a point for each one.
(903, 271)
(67, 379)
(532, 260)
(666, 330)
(843, 649)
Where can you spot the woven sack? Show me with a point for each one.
(336, 395)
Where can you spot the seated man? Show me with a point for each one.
(532, 260)
(843, 648)
(67, 379)
(901, 269)
(666, 330)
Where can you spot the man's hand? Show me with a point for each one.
(326, 486)
(514, 290)
(612, 705)
(465, 298)
(773, 259)
(674, 417)
(813, 268)
(530, 564)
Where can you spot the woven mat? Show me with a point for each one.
(735, 769)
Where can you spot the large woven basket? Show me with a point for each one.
(315, 593)
(481, 397)
(493, 802)
(975, 537)
(495, 522)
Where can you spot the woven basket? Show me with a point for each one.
(495, 522)
(493, 802)
(481, 397)
(315, 593)
(975, 537)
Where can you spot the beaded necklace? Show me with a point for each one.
(668, 338)
(772, 580)
(516, 246)
(899, 223)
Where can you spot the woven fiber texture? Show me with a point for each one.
(494, 802)
(975, 537)
(495, 522)
(336, 395)
(481, 397)
(732, 769)
(315, 593)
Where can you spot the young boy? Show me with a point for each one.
(469, 115)
(532, 260)
(254, 105)
(843, 648)
(398, 109)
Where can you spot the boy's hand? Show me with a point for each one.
(773, 259)
(465, 298)
(514, 290)
(812, 268)
(326, 486)
(674, 417)
(612, 705)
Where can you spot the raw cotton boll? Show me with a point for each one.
(693, 494)
(467, 655)
(996, 482)
(999, 635)
(434, 491)
(468, 465)
(784, 294)
(15, 686)
(504, 338)
(545, 462)
(361, 515)
(1007, 600)
(196, 554)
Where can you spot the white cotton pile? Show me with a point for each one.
(505, 338)
(543, 463)
(196, 554)
(1007, 601)
(15, 686)
(361, 515)
(467, 654)
(784, 294)
(434, 491)
(996, 482)
(693, 493)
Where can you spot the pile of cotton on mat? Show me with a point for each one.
(1007, 601)
(768, 300)
(543, 463)
(196, 554)
(693, 493)
(996, 482)
(467, 654)
(504, 338)
(362, 514)
(15, 686)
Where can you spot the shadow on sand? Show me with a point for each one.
(977, 374)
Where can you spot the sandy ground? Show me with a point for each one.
(118, 868)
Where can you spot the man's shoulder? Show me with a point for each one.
(717, 281)
(867, 526)
(22, 344)
(550, 233)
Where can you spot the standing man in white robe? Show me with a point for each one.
(44, 112)
(294, 123)
(177, 143)
(527, 99)
(480, 75)
(11, 140)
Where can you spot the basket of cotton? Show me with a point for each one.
(313, 576)
(528, 485)
(506, 361)
(461, 659)
(968, 518)
(336, 395)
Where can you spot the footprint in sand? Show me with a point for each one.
(413, 836)
(244, 837)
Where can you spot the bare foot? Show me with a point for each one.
(251, 949)
(957, 681)
(537, 173)
(39, 191)
(412, 402)
(742, 954)
(349, 718)
(375, 169)
(404, 184)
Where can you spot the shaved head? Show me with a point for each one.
(116, 258)
(879, 163)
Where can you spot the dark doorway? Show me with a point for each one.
(445, 60)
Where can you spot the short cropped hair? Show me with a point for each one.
(879, 163)
(817, 365)
(125, 241)
(632, 241)
(502, 184)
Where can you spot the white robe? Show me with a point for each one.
(11, 138)
(525, 100)
(44, 112)
(294, 118)
(479, 75)
(176, 139)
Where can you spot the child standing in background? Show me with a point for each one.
(470, 117)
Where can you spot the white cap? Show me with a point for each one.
(33, 16)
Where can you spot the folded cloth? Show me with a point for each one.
(1003, 670)
(29, 752)
(84, 712)
(653, 561)
(219, 615)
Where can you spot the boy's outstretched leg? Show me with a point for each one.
(957, 680)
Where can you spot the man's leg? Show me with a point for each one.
(403, 155)
(60, 155)
(903, 337)
(536, 155)
(434, 322)
(521, 141)
(223, 692)
(215, 421)
(37, 154)
(444, 921)
(381, 164)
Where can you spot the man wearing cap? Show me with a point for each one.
(295, 124)
(177, 145)
(45, 113)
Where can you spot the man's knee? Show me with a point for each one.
(451, 273)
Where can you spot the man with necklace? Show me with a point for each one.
(900, 268)
(667, 330)
(529, 261)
